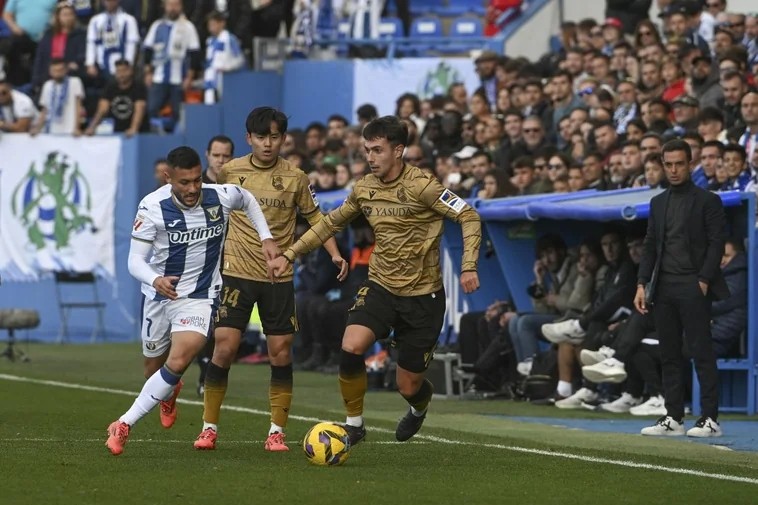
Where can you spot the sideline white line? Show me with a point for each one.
(162, 441)
(429, 438)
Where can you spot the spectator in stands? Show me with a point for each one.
(631, 162)
(61, 109)
(705, 81)
(366, 113)
(219, 152)
(64, 41)
(650, 143)
(481, 164)
(710, 124)
(408, 106)
(654, 175)
(315, 137)
(343, 179)
(112, 35)
(27, 20)
(673, 80)
(557, 166)
(457, 95)
(651, 80)
(593, 173)
(524, 179)
(735, 164)
(630, 14)
(606, 138)
(160, 172)
(266, 18)
(711, 158)
(236, 12)
(646, 34)
(485, 68)
(734, 87)
(561, 184)
(172, 59)
(223, 54)
(730, 315)
(564, 101)
(679, 15)
(686, 109)
(497, 185)
(627, 108)
(124, 103)
(17, 111)
(326, 176)
(336, 127)
(747, 136)
(576, 180)
(635, 130)
(479, 106)
(533, 138)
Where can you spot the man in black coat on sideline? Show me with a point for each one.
(680, 274)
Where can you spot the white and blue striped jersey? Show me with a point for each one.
(111, 37)
(222, 54)
(187, 242)
(171, 41)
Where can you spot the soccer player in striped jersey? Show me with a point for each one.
(181, 227)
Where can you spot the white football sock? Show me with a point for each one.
(155, 390)
(275, 428)
(564, 388)
(356, 421)
(211, 426)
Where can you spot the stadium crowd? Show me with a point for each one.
(592, 115)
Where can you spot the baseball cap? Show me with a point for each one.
(466, 153)
(686, 100)
(614, 22)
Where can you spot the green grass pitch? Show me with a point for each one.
(54, 411)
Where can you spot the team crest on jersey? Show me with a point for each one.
(150, 346)
(402, 196)
(371, 194)
(313, 194)
(213, 213)
(368, 211)
(277, 183)
(242, 180)
(453, 201)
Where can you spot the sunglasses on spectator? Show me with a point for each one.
(532, 130)
(646, 33)
(540, 166)
(556, 167)
(585, 92)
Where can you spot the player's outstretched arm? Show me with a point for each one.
(244, 200)
(449, 205)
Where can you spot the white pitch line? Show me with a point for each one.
(428, 438)
(162, 441)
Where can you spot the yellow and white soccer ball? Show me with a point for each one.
(327, 444)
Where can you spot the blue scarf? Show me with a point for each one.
(58, 102)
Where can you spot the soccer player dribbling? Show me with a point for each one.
(405, 207)
(181, 228)
(281, 189)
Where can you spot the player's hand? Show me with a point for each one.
(270, 249)
(639, 300)
(343, 267)
(703, 288)
(469, 282)
(278, 266)
(166, 286)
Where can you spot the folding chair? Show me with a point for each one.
(65, 283)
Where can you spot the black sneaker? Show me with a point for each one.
(408, 426)
(355, 433)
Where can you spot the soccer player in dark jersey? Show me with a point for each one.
(282, 190)
(405, 207)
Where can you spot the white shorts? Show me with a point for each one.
(162, 318)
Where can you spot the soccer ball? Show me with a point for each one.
(326, 444)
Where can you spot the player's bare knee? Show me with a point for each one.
(408, 383)
(226, 345)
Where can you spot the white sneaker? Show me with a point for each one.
(705, 427)
(666, 426)
(621, 405)
(524, 367)
(654, 406)
(565, 331)
(575, 401)
(610, 370)
(588, 357)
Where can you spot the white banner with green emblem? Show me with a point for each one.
(381, 81)
(57, 204)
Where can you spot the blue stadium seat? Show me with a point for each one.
(390, 28)
(467, 26)
(426, 26)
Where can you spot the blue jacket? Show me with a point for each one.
(730, 315)
(76, 50)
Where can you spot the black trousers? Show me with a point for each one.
(683, 317)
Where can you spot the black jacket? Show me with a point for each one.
(629, 12)
(706, 230)
(730, 315)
